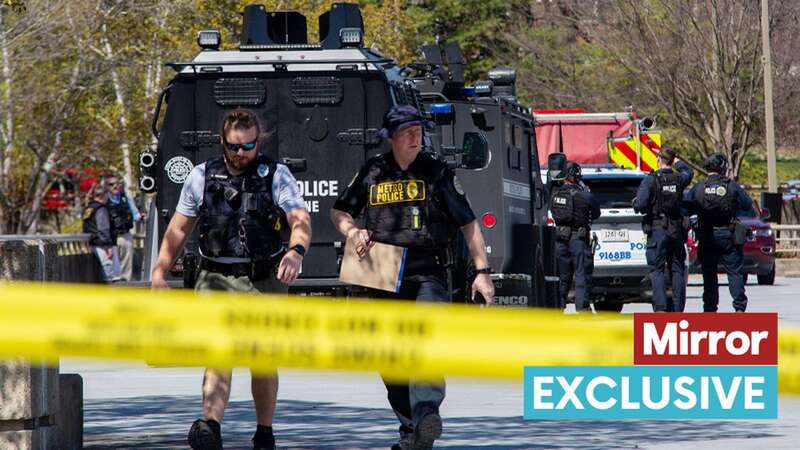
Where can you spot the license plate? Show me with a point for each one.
(614, 235)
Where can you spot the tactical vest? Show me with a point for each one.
(90, 225)
(403, 207)
(121, 215)
(717, 202)
(562, 206)
(238, 216)
(666, 197)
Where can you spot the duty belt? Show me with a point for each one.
(242, 269)
(663, 221)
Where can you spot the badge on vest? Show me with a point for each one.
(263, 170)
(396, 192)
(719, 191)
(87, 213)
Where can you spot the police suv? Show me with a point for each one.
(323, 105)
(620, 265)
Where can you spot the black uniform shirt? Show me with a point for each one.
(449, 191)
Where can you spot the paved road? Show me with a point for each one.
(134, 406)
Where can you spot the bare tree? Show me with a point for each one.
(700, 61)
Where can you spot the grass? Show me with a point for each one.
(754, 170)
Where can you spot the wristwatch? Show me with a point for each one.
(487, 270)
(299, 249)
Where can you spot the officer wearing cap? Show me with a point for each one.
(573, 209)
(717, 200)
(660, 198)
(426, 208)
(237, 199)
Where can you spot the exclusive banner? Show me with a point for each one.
(687, 366)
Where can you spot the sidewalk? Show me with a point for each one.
(146, 408)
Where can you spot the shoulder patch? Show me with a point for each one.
(457, 185)
(263, 170)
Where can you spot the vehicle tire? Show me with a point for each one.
(608, 306)
(768, 279)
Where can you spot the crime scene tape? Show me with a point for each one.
(397, 339)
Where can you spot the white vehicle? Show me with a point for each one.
(620, 264)
(620, 272)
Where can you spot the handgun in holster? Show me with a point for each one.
(190, 266)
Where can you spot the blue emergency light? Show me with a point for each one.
(442, 108)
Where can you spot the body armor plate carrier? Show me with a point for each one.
(238, 216)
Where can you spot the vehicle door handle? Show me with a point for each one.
(295, 165)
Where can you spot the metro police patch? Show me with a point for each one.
(396, 192)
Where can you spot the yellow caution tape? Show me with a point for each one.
(397, 339)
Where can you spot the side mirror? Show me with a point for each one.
(556, 167)
(764, 214)
(474, 151)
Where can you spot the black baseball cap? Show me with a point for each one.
(400, 117)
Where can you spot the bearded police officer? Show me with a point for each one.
(237, 199)
(717, 200)
(660, 198)
(574, 208)
(424, 216)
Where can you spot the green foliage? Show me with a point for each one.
(568, 53)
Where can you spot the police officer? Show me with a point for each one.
(574, 208)
(426, 210)
(102, 236)
(124, 214)
(236, 200)
(660, 198)
(717, 200)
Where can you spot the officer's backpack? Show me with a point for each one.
(667, 194)
(562, 205)
(717, 201)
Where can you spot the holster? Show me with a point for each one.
(262, 268)
(647, 227)
(563, 233)
(740, 233)
(582, 233)
(445, 257)
(190, 266)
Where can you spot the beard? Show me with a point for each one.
(237, 162)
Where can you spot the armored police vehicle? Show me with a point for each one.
(323, 105)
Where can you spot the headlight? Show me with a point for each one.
(764, 232)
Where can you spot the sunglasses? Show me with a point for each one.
(246, 147)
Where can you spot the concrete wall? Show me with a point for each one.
(39, 408)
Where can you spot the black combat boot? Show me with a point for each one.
(205, 435)
(263, 439)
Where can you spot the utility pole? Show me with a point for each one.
(766, 58)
